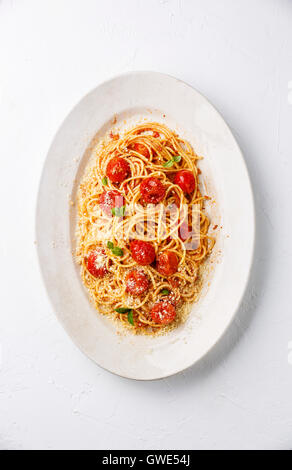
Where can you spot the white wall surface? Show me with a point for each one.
(237, 53)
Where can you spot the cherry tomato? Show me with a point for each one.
(142, 252)
(96, 263)
(163, 313)
(136, 282)
(152, 190)
(117, 169)
(110, 199)
(167, 263)
(141, 148)
(155, 134)
(185, 180)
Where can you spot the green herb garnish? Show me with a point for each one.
(116, 250)
(119, 211)
(164, 292)
(169, 163)
(130, 317)
(104, 181)
(129, 311)
(123, 310)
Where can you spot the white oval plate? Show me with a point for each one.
(157, 97)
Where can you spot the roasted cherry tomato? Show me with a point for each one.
(142, 252)
(163, 313)
(152, 190)
(136, 282)
(185, 180)
(167, 263)
(141, 148)
(96, 262)
(110, 199)
(117, 169)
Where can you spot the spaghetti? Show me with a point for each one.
(141, 254)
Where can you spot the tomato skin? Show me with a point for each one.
(141, 148)
(142, 252)
(117, 169)
(101, 269)
(163, 313)
(136, 282)
(110, 199)
(167, 263)
(152, 190)
(185, 180)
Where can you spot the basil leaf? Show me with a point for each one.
(168, 164)
(104, 181)
(164, 292)
(116, 250)
(119, 211)
(130, 317)
(123, 310)
(173, 160)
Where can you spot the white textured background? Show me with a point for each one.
(238, 53)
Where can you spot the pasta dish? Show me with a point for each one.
(143, 231)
